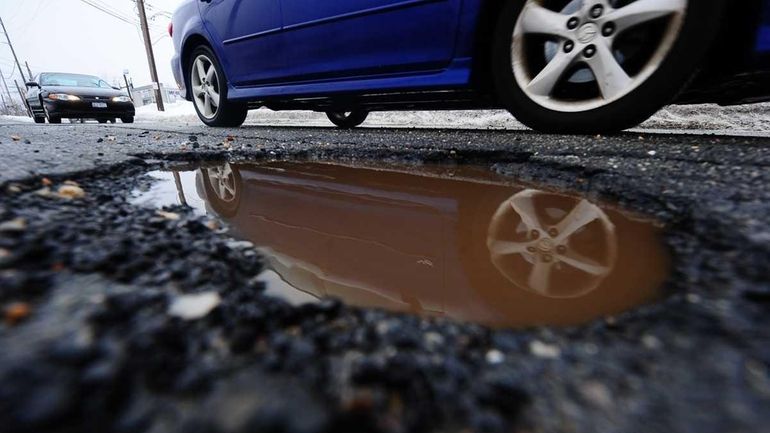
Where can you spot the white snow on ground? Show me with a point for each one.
(9, 119)
(745, 118)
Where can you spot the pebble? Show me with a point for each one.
(17, 312)
(14, 225)
(495, 357)
(193, 307)
(543, 350)
(168, 215)
(71, 192)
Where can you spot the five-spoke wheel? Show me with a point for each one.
(208, 88)
(597, 65)
(553, 245)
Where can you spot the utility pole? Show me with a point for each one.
(128, 87)
(10, 98)
(23, 98)
(5, 106)
(8, 38)
(28, 70)
(150, 54)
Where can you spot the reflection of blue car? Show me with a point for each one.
(558, 65)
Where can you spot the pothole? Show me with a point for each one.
(461, 242)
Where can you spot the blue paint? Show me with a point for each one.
(307, 48)
(763, 39)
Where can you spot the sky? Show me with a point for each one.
(73, 36)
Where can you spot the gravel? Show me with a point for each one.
(98, 349)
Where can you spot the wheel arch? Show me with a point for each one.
(481, 75)
(191, 43)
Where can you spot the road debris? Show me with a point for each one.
(71, 192)
(16, 312)
(194, 307)
(14, 225)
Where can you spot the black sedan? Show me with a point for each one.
(55, 96)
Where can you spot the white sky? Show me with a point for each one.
(71, 36)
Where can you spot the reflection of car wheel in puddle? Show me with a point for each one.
(551, 244)
(223, 188)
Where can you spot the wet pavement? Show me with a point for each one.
(453, 242)
(118, 316)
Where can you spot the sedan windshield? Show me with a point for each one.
(72, 80)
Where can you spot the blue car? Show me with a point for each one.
(564, 66)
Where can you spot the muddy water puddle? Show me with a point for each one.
(461, 242)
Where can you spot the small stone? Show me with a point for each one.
(14, 189)
(543, 350)
(46, 181)
(193, 138)
(495, 357)
(597, 394)
(111, 138)
(652, 153)
(168, 215)
(100, 140)
(27, 142)
(71, 192)
(16, 312)
(212, 225)
(15, 137)
(193, 307)
(651, 342)
(44, 192)
(4, 254)
(14, 225)
(693, 298)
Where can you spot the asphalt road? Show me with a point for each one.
(98, 352)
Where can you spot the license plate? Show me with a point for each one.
(99, 104)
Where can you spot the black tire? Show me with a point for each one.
(347, 120)
(54, 119)
(700, 26)
(102, 120)
(127, 119)
(229, 113)
(39, 119)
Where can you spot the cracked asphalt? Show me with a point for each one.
(85, 285)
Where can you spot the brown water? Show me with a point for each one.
(460, 242)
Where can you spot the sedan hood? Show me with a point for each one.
(84, 91)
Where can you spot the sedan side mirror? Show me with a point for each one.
(32, 84)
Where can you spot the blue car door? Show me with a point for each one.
(331, 38)
(247, 34)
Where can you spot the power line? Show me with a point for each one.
(108, 12)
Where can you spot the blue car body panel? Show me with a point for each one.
(284, 49)
(763, 35)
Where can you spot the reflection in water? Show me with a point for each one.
(468, 246)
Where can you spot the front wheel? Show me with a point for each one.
(347, 120)
(39, 119)
(127, 119)
(598, 66)
(208, 86)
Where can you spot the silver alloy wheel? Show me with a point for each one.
(587, 37)
(205, 86)
(549, 248)
(223, 183)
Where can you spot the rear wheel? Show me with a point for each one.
(347, 120)
(102, 120)
(39, 119)
(208, 86)
(127, 119)
(592, 66)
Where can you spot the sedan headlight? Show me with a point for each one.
(121, 99)
(63, 97)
